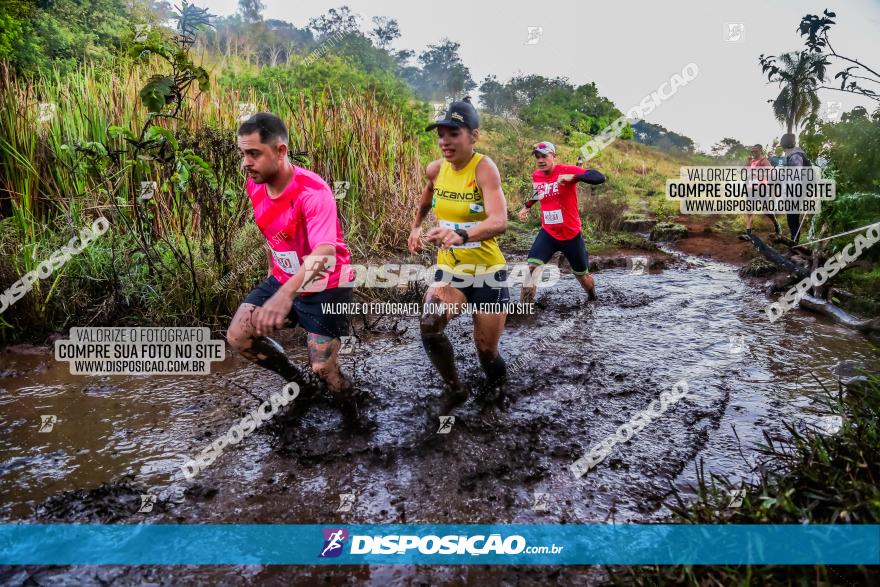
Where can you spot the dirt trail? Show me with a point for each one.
(601, 363)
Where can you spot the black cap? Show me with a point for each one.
(458, 114)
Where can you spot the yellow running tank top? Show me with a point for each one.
(458, 203)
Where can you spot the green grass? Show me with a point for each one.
(623, 240)
(518, 237)
(808, 479)
(864, 285)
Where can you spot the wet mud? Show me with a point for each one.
(576, 372)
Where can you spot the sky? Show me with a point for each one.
(628, 49)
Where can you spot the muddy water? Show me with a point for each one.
(600, 364)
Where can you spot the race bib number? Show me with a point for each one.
(464, 226)
(553, 217)
(287, 260)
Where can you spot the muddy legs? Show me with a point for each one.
(530, 288)
(442, 356)
(487, 332)
(262, 350)
(323, 356)
(589, 285)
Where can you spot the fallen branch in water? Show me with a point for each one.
(820, 306)
(798, 271)
(778, 258)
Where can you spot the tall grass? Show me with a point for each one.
(350, 138)
(162, 255)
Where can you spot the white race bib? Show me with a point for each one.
(287, 260)
(553, 217)
(463, 226)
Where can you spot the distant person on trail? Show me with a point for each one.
(464, 191)
(296, 211)
(794, 157)
(758, 159)
(555, 186)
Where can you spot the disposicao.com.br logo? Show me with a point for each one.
(451, 544)
(334, 539)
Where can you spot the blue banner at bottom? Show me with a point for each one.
(452, 544)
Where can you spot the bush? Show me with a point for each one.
(606, 211)
(848, 212)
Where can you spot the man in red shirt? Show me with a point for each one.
(555, 186)
(758, 159)
(308, 258)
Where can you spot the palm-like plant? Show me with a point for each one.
(798, 75)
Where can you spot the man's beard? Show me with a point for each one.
(262, 178)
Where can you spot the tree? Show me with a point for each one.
(130, 155)
(282, 39)
(360, 52)
(660, 137)
(385, 31)
(730, 149)
(409, 73)
(339, 21)
(495, 97)
(443, 74)
(798, 75)
(271, 41)
(549, 102)
(851, 148)
(251, 11)
(38, 36)
(17, 45)
(852, 77)
(402, 58)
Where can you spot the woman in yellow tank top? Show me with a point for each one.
(464, 191)
(458, 203)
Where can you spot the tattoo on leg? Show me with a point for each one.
(321, 347)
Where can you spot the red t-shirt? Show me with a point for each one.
(559, 206)
(297, 221)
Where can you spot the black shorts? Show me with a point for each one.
(486, 293)
(306, 310)
(574, 249)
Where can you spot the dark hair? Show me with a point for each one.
(787, 141)
(270, 127)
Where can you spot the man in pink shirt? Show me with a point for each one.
(296, 211)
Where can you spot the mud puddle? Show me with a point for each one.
(577, 372)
